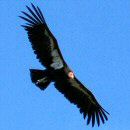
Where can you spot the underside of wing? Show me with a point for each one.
(43, 42)
(77, 94)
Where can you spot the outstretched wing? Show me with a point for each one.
(42, 40)
(79, 95)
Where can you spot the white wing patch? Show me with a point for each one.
(57, 62)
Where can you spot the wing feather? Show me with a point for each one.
(30, 17)
(97, 118)
(93, 118)
(101, 117)
(89, 118)
(40, 13)
(42, 40)
(79, 95)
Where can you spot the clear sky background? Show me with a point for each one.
(94, 37)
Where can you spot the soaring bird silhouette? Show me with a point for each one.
(47, 51)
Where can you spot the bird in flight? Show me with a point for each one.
(46, 48)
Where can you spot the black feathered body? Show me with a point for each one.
(46, 48)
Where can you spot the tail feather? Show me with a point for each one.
(40, 78)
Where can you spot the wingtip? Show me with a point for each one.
(32, 5)
(104, 110)
(93, 119)
(27, 7)
(89, 119)
(97, 118)
(84, 115)
(101, 117)
(24, 26)
(21, 17)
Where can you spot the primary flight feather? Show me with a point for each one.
(47, 51)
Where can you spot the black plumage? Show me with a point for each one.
(47, 51)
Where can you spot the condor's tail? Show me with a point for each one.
(40, 78)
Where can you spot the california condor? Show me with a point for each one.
(47, 51)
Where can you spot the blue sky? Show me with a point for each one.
(94, 37)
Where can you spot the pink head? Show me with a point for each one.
(71, 75)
